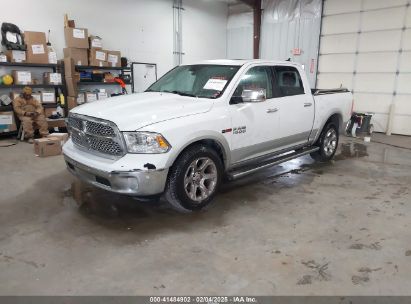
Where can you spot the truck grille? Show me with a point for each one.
(98, 136)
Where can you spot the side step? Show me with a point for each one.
(246, 170)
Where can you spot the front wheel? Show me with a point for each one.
(327, 142)
(194, 179)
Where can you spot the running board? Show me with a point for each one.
(241, 172)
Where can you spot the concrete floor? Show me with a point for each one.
(297, 229)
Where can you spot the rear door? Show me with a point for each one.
(255, 125)
(295, 104)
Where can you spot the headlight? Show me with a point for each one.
(145, 142)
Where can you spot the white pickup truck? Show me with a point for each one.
(200, 123)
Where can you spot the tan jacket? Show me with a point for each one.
(21, 106)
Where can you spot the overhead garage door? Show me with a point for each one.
(365, 45)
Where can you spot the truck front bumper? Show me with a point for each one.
(135, 182)
(126, 175)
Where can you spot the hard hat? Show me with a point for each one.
(27, 91)
(7, 79)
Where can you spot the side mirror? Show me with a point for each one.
(254, 95)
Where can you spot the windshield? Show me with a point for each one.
(206, 81)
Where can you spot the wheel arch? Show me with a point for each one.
(216, 144)
(336, 118)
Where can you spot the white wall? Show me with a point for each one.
(204, 30)
(141, 29)
(240, 32)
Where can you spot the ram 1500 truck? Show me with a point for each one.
(200, 124)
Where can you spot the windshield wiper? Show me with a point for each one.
(181, 93)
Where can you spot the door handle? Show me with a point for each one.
(307, 104)
(272, 110)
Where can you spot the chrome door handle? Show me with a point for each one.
(307, 104)
(272, 110)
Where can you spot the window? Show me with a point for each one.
(204, 81)
(256, 78)
(289, 81)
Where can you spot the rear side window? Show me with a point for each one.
(288, 81)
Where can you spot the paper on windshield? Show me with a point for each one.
(215, 84)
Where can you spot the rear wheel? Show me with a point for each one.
(327, 142)
(194, 179)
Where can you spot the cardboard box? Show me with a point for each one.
(37, 53)
(71, 85)
(37, 96)
(69, 68)
(56, 123)
(63, 137)
(50, 111)
(47, 146)
(90, 97)
(102, 95)
(76, 37)
(114, 58)
(52, 78)
(22, 77)
(48, 97)
(71, 102)
(52, 55)
(16, 56)
(7, 122)
(79, 55)
(81, 98)
(95, 42)
(34, 38)
(98, 58)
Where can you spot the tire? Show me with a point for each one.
(194, 179)
(328, 143)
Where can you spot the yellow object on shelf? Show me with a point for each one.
(62, 100)
(7, 79)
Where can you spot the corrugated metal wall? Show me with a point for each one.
(288, 25)
(366, 46)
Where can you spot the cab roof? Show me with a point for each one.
(240, 62)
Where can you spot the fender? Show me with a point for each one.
(204, 135)
(320, 129)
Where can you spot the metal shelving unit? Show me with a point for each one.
(123, 71)
(99, 83)
(47, 66)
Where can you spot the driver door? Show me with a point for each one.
(255, 125)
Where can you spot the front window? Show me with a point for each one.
(205, 81)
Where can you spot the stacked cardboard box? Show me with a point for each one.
(114, 58)
(98, 57)
(7, 122)
(76, 44)
(71, 78)
(16, 56)
(36, 47)
(75, 53)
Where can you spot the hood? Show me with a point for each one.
(132, 112)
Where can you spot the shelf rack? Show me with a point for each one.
(123, 71)
(48, 66)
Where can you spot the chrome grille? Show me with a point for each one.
(99, 129)
(75, 123)
(104, 146)
(97, 136)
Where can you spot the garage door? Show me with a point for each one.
(365, 45)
